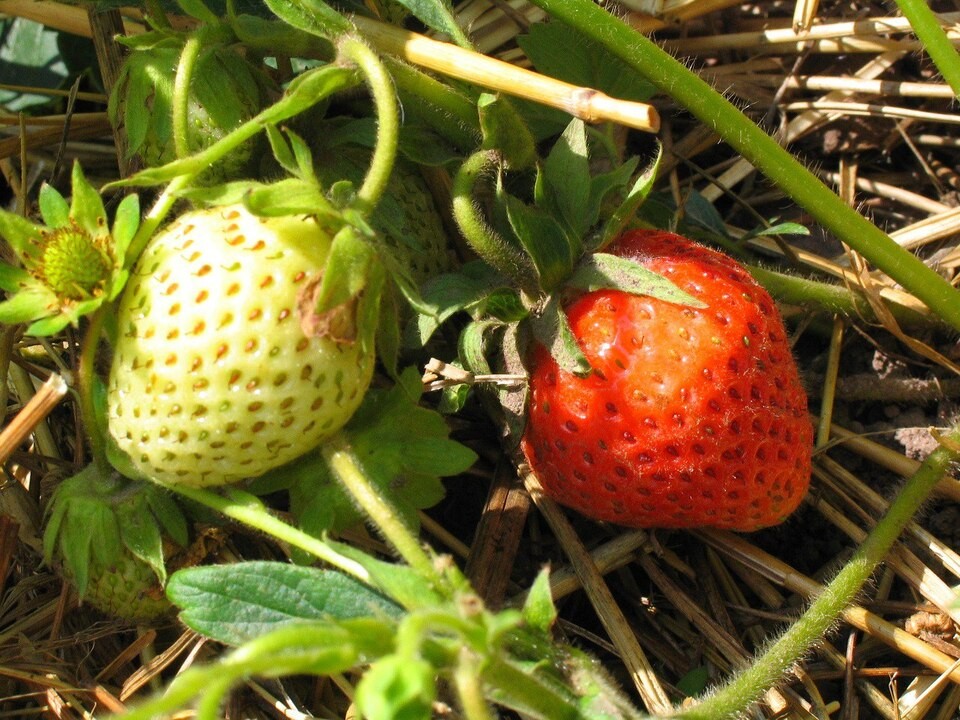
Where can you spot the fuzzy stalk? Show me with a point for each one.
(484, 240)
(87, 379)
(647, 59)
(250, 511)
(934, 40)
(770, 667)
(181, 94)
(342, 461)
(388, 119)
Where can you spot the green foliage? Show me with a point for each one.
(403, 447)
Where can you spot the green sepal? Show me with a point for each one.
(628, 207)
(551, 328)
(565, 184)
(126, 221)
(603, 271)
(539, 612)
(292, 152)
(54, 207)
(346, 270)
(552, 249)
(505, 131)
(86, 205)
(21, 234)
(28, 304)
(140, 534)
(45, 327)
(12, 279)
(290, 196)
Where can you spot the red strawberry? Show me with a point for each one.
(691, 418)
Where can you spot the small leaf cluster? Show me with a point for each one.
(102, 529)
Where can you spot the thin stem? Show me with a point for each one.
(247, 509)
(347, 468)
(485, 241)
(87, 382)
(769, 668)
(157, 214)
(710, 107)
(466, 678)
(388, 120)
(181, 95)
(935, 41)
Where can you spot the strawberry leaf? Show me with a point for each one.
(312, 16)
(236, 603)
(435, 14)
(603, 271)
(403, 448)
(552, 330)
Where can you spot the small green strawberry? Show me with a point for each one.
(221, 369)
(109, 537)
(70, 265)
(407, 215)
(225, 90)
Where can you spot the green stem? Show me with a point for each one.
(86, 378)
(157, 214)
(181, 95)
(248, 509)
(710, 107)
(484, 240)
(388, 119)
(340, 458)
(769, 668)
(934, 40)
(833, 298)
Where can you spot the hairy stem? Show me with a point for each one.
(87, 382)
(181, 94)
(388, 119)
(485, 241)
(769, 668)
(934, 40)
(347, 468)
(248, 509)
(710, 107)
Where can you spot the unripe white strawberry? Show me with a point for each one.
(214, 377)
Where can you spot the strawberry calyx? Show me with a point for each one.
(100, 523)
(70, 263)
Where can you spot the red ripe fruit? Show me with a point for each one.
(693, 417)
